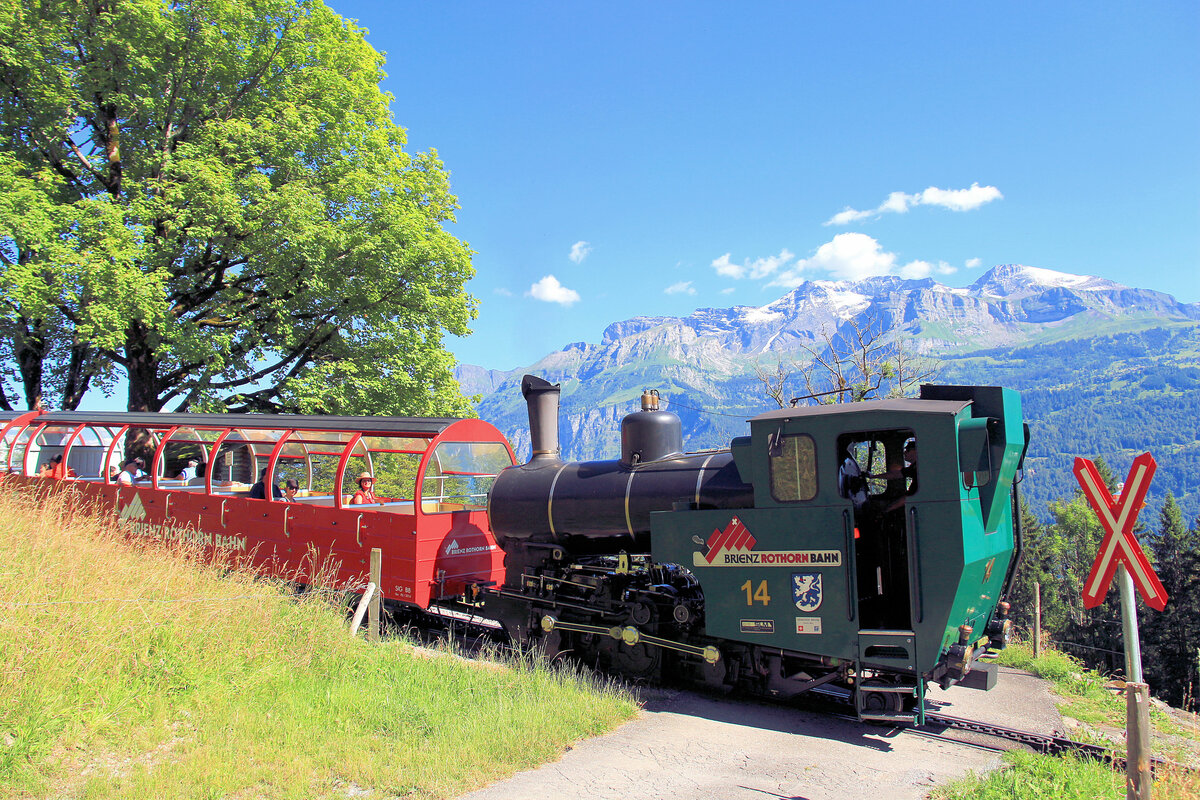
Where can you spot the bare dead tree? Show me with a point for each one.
(911, 370)
(775, 382)
(859, 362)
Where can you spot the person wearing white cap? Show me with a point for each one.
(188, 472)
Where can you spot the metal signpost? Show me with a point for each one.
(1121, 553)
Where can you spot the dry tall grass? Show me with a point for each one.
(134, 670)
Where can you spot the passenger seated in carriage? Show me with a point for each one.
(130, 471)
(366, 490)
(259, 490)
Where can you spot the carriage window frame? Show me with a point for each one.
(476, 464)
(790, 450)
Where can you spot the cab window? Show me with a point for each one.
(793, 465)
(877, 464)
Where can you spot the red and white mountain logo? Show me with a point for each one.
(736, 536)
(733, 546)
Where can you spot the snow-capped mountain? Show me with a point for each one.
(707, 359)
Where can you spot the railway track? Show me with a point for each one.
(936, 726)
(1040, 742)
(833, 703)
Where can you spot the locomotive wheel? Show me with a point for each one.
(640, 613)
(638, 661)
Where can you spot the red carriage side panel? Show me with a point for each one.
(435, 545)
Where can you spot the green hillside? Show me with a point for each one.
(1111, 396)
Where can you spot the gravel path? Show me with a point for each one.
(685, 745)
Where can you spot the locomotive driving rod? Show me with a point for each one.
(631, 636)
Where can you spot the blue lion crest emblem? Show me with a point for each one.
(806, 590)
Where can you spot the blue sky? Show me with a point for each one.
(624, 159)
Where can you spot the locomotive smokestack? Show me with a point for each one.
(541, 397)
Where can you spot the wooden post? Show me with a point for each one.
(1037, 619)
(1138, 778)
(362, 609)
(1137, 699)
(377, 600)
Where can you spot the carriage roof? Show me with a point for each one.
(411, 426)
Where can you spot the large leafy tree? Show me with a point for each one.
(212, 198)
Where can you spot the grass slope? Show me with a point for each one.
(1088, 698)
(129, 671)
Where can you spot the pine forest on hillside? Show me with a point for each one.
(1114, 396)
(1059, 555)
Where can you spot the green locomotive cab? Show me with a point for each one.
(878, 548)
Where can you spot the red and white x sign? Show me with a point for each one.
(1119, 545)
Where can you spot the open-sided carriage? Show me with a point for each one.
(432, 478)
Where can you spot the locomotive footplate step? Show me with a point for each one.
(879, 701)
(899, 716)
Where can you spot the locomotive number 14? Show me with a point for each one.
(758, 595)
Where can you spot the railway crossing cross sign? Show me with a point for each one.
(1119, 546)
(1120, 552)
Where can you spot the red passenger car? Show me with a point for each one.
(431, 475)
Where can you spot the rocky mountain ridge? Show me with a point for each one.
(703, 364)
(1009, 305)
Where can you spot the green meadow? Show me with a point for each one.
(1093, 701)
(130, 670)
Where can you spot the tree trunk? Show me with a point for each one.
(29, 348)
(79, 375)
(142, 370)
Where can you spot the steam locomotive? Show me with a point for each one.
(815, 552)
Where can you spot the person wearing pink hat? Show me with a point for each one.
(366, 490)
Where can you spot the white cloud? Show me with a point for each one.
(960, 199)
(897, 202)
(579, 251)
(900, 202)
(682, 287)
(726, 269)
(730, 290)
(915, 270)
(756, 269)
(500, 290)
(847, 216)
(853, 257)
(549, 290)
(974, 263)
